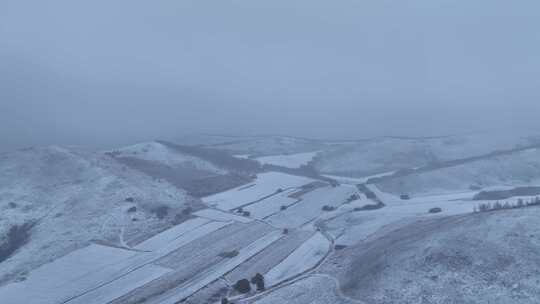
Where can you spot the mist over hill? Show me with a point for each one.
(269, 152)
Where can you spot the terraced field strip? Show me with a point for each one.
(305, 257)
(266, 185)
(212, 274)
(171, 234)
(125, 267)
(123, 285)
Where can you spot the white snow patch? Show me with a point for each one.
(242, 156)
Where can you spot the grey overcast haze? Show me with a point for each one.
(100, 73)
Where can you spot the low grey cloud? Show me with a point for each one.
(103, 73)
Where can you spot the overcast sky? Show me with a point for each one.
(105, 72)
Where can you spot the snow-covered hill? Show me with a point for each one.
(70, 198)
(270, 145)
(516, 169)
(159, 153)
(391, 154)
(475, 258)
(199, 171)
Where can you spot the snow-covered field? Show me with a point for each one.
(169, 235)
(353, 227)
(271, 205)
(66, 277)
(101, 272)
(122, 286)
(307, 256)
(271, 256)
(435, 196)
(265, 185)
(311, 205)
(288, 160)
(214, 273)
(199, 232)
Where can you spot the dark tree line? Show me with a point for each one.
(485, 207)
(16, 237)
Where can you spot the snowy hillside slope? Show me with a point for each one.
(517, 169)
(157, 152)
(475, 258)
(198, 171)
(72, 198)
(391, 154)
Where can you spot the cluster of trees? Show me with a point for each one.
(184, 215)
(505, 194)
(368, 193)
(243, 212)
(352, 198)
(328, 208)
(435, 210)
(244, 285)
(16, 237)
(161, 212)
(484, 207)
(368, 207)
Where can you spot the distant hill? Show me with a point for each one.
(198, 170)
(521, 168)
(387, 154)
